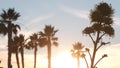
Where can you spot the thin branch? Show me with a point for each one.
(86, 62)
(105, 55)
(91, 38)
(89, 53)
(99, 47)
(101, 36)
(102, 43)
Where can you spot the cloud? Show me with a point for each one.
(41, 18)
(78, 13)
(28, 25)
(83, 14)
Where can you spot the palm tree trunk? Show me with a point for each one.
(49, 53)
(9, 58)
(22, 57)
(17, 59)
(35, 53)
(78, 62)
(9, 45)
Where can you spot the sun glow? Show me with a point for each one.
(65, 60)
(62, 60)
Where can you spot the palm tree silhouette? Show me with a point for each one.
(33, 43)
(21, 47)
(15, 49)
(18, 46)
(7, 27)
(77, 52)
(101, 25)
(49, 35)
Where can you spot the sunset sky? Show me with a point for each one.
(70, 17)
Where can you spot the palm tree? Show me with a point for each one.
(7, 18)
(18, 46)
(101, 25)
(15, 49)
(21, 47)
(33, 43)
(49, 34)
(77, 52)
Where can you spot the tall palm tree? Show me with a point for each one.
(101, 25)
(15, 49)
(49, 34)
(7, 19)
(77, 52)
(21, 47)
(33, 43)
(18, 46)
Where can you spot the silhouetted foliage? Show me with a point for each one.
(48, 36)
(101, 25)
(15, 49)
(33, 44)
(18, 46)
(77, 52)
(7, 17)
(22, 44)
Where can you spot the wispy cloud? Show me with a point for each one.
(41, 18)
(29, 22)
(83, 14)
(78, 13)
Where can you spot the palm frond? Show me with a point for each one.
(4, 15)
(42, 34)
(14, 28)
(3, 29)
(42, 42)
(18, 26)
(78, 46)
(55, 43)
(55, 38)
(10, 15)
(55, 31)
